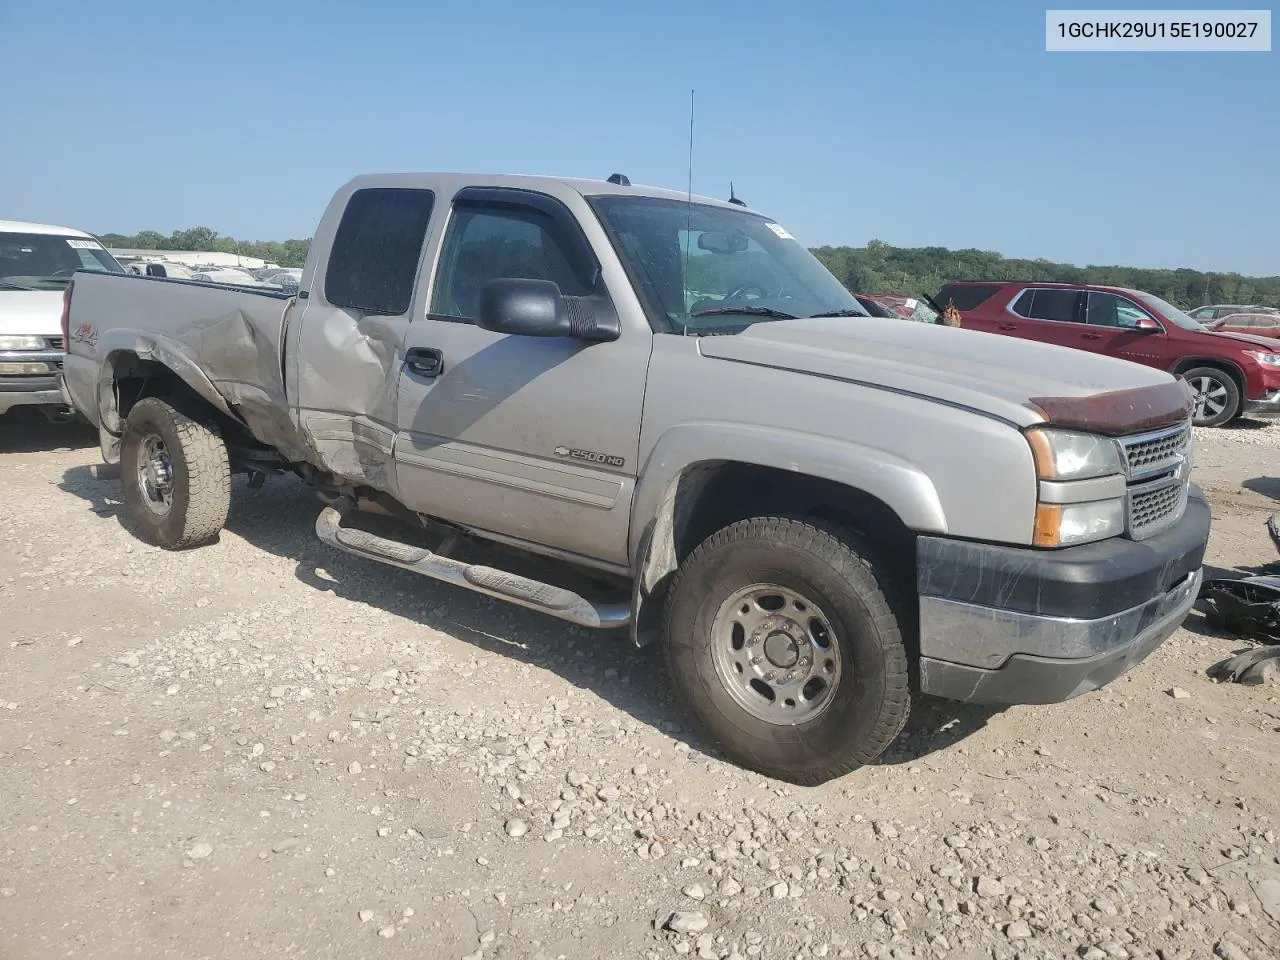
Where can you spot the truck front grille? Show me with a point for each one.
(1158, 468)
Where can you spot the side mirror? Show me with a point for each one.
(536, 308)
(1147, 325)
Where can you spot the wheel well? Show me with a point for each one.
(710, 496)
(1226, 366)
(738, 491)
(134, 379)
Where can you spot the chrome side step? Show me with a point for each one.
(552, 600)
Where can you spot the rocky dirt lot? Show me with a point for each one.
(265, 749)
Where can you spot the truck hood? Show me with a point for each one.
(1020, 381)
(33, 312)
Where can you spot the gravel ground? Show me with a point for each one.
(262, 748)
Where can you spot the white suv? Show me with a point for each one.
(36, 262)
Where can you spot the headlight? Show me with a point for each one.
(22, 343)
(1081, 487)
(1067, 455)
(24, 369)
(1266, 359)
(1067, 524)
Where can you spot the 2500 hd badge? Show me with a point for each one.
(590, 456)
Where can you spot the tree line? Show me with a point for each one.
(881, 268)
(286, 253)
(875, 268)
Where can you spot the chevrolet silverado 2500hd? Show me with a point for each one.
(811, 509)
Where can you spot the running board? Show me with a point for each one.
(552, 600)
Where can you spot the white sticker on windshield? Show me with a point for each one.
(911, 303)
(84, 244)
(776, 228)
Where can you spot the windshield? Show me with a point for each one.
(742, 268)
(46, 261)
(1169, 311)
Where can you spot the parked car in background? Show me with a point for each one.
(36, 261)
(908, 308)
(1231, 373)
(227, 275)
(874, 307)
(1255, 324)
(287, 279)
(153, 268)
(1216, 311)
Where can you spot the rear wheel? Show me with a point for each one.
(1217, 397)
(780, 640)
(175, 475)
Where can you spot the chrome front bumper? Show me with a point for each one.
(997, 656)
(1002, 624)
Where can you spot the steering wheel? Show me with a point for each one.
(739, 293)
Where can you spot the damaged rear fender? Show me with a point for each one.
(120, 349)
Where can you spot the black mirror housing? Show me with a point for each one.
(536, 308)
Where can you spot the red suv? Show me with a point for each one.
(1232, 374)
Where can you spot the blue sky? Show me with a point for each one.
(917, 123)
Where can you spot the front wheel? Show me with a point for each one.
(175, 475)
(1217, 397)
(780, 640)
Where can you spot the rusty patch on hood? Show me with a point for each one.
(1120, 412)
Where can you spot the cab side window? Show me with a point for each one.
(486, 243)
(373, 262)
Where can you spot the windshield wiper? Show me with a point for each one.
(15, 286)
(846, 312)
(749, 311)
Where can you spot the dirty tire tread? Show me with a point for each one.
(207, 468)
(854, 562)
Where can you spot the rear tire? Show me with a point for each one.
(175, 474)
(826, 621)
(1217, 397)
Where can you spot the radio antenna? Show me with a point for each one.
(688, 236)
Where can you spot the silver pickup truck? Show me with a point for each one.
(814, 511)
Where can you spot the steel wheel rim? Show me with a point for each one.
(1211, 396)
(776, 654)
(155, 475)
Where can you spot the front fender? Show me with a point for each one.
(901, 485)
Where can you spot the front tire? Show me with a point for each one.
(781, 642)
(1217, 397)
(175, 474)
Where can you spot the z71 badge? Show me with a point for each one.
(590, 456)
(85, 333)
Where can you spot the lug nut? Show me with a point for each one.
(754, 659)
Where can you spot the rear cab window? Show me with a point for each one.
(373, 262)
(47, 261)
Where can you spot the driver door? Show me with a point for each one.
(531, 438)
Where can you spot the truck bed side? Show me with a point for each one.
(224, 342)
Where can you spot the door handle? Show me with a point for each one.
(1006, 326)
(1091, 336)
(424, 361)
